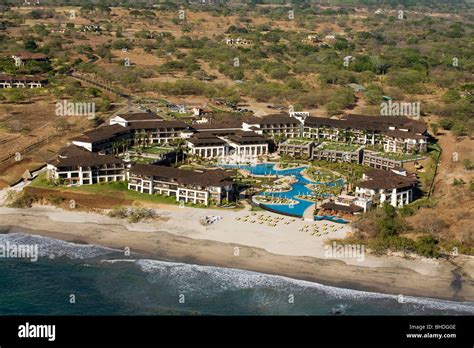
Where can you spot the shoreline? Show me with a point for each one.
(387, 274)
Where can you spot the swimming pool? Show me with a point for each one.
(331, 218)
(297, 189)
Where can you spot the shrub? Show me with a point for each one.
(132, 214)
(427, 246)
(458, 182)
(56, 200)
(26, 200)
(468, 164)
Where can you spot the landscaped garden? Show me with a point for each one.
(319, 174)
(339, 147)
(267, 198)
(399, 156)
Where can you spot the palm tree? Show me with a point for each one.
(148, 137)
(178, 146)
(114, 147)
(142, 138)
(350, 135)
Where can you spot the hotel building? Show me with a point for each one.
(395, 187)
(76, 166)
(198, 187)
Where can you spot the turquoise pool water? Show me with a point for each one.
(331, 218)
(298, 188)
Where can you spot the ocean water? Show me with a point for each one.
(104, 282)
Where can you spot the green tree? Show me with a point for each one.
(389, 224)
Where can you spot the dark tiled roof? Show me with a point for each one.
(140, 116)
(30, 55)
(35, 78)
(207, 141)
(381, 179)
(404, 135)
(369, 123)
(242, 138)
(73, 150)
(107, 132)
(90, 159)
(352, 208)
(214, 133)
(217, 177)
(102, 133)
(281, 118)
(218, 125)
(346, 124)
(157, 125)
(396, 121)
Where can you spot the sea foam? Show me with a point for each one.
(53, 248)
(242, 279)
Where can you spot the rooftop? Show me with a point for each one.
(30, 55)
(281, 118)
(34, 78)
(85, 159)
(218, 125)
(101, 133)
(157, 124)
(371, 123)
(380, 179)
(140, 116)
(243, 138)
(216, 177)
(352, 208)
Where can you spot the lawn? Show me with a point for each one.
(322, 175)
(112, 189)
(340, 147)
(116, 189)
(399, 156)
(298, 141)
(156, 150)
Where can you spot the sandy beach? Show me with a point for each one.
(288, 249)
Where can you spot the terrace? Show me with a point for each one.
(299, 141)
(293, 202)
(339, 147)
(404, 157)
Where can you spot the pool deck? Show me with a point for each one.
(302, 208)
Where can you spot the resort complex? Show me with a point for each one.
(148, 152)
(216, 157)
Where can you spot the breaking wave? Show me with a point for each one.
(53, 248)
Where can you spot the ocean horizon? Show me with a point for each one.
(77, 279)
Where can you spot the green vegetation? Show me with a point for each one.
(132, 214)
(385, 224)
(320, 174)
(298, 141)
(348, 170)
(431, 166)
(399, 156)
(23, 200)
(413, 207)
(468, 164)
(339, 147)
(402, 59)
(112, 189)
